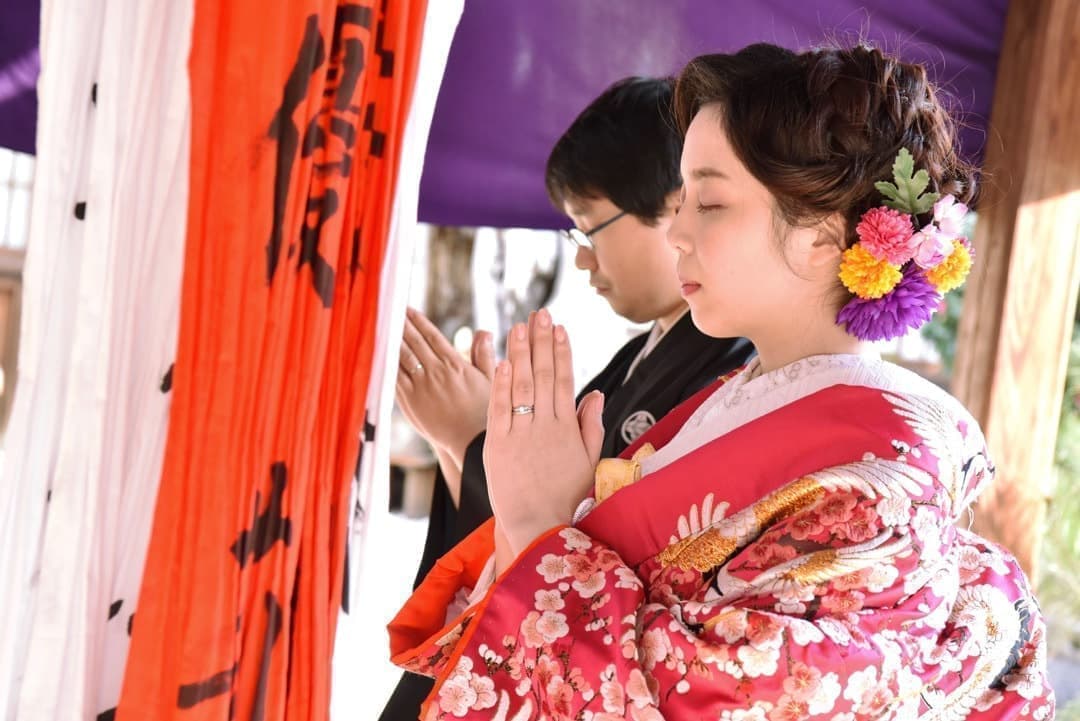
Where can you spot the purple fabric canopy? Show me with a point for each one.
(19, 67)
(521, 70)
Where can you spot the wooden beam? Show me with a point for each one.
(1021, 299)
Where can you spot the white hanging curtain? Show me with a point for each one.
(102, 279)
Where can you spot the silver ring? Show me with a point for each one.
(418, 367)
(522, 410)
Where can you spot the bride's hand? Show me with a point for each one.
(541, 452)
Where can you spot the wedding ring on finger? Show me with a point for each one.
(416, 369)
(522, 410)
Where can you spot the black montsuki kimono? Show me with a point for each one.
(683, 362)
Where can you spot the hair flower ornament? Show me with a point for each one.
(898, 270)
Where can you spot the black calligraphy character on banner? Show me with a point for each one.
(339, 115)
(321, 272)
(283, 129)
(274, 625)
(386, 55)
(267, 527)
(192, 694)
(332, 132)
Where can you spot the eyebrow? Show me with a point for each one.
(703, 173)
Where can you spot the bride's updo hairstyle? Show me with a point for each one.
(819, 128)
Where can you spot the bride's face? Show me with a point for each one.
(743, 271)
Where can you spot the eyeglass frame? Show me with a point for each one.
(583, 238)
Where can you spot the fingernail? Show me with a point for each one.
(504, 368)
(560, 334)
(520, 331)
(486, 341)
(545, 317)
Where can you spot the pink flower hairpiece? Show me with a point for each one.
(897, 270)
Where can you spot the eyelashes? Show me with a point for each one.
(701, 208)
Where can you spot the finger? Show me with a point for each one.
(499, 404)
(591, 421)
(403, 393)
(404, 382)
(418, 345)
(564, 375)
(483, 353)
(519, 355)
(408, 364)
(403, 397)
(437, 342)
(543, 363)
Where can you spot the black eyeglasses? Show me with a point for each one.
(583, 238)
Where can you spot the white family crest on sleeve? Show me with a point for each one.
(636, 424)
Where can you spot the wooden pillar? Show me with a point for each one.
(1020, 301)
(449, 302)
(11, 262)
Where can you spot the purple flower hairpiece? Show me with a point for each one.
(908, 306)
(896, 270)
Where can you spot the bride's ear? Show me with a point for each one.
(818, 249)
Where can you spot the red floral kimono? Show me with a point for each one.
(794, 549)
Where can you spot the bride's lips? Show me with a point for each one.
(689, 287)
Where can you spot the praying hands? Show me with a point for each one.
(541, 452)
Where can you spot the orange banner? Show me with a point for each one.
(298, 108)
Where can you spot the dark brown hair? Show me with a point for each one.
(819, 128)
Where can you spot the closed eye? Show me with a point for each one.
(708, 208)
